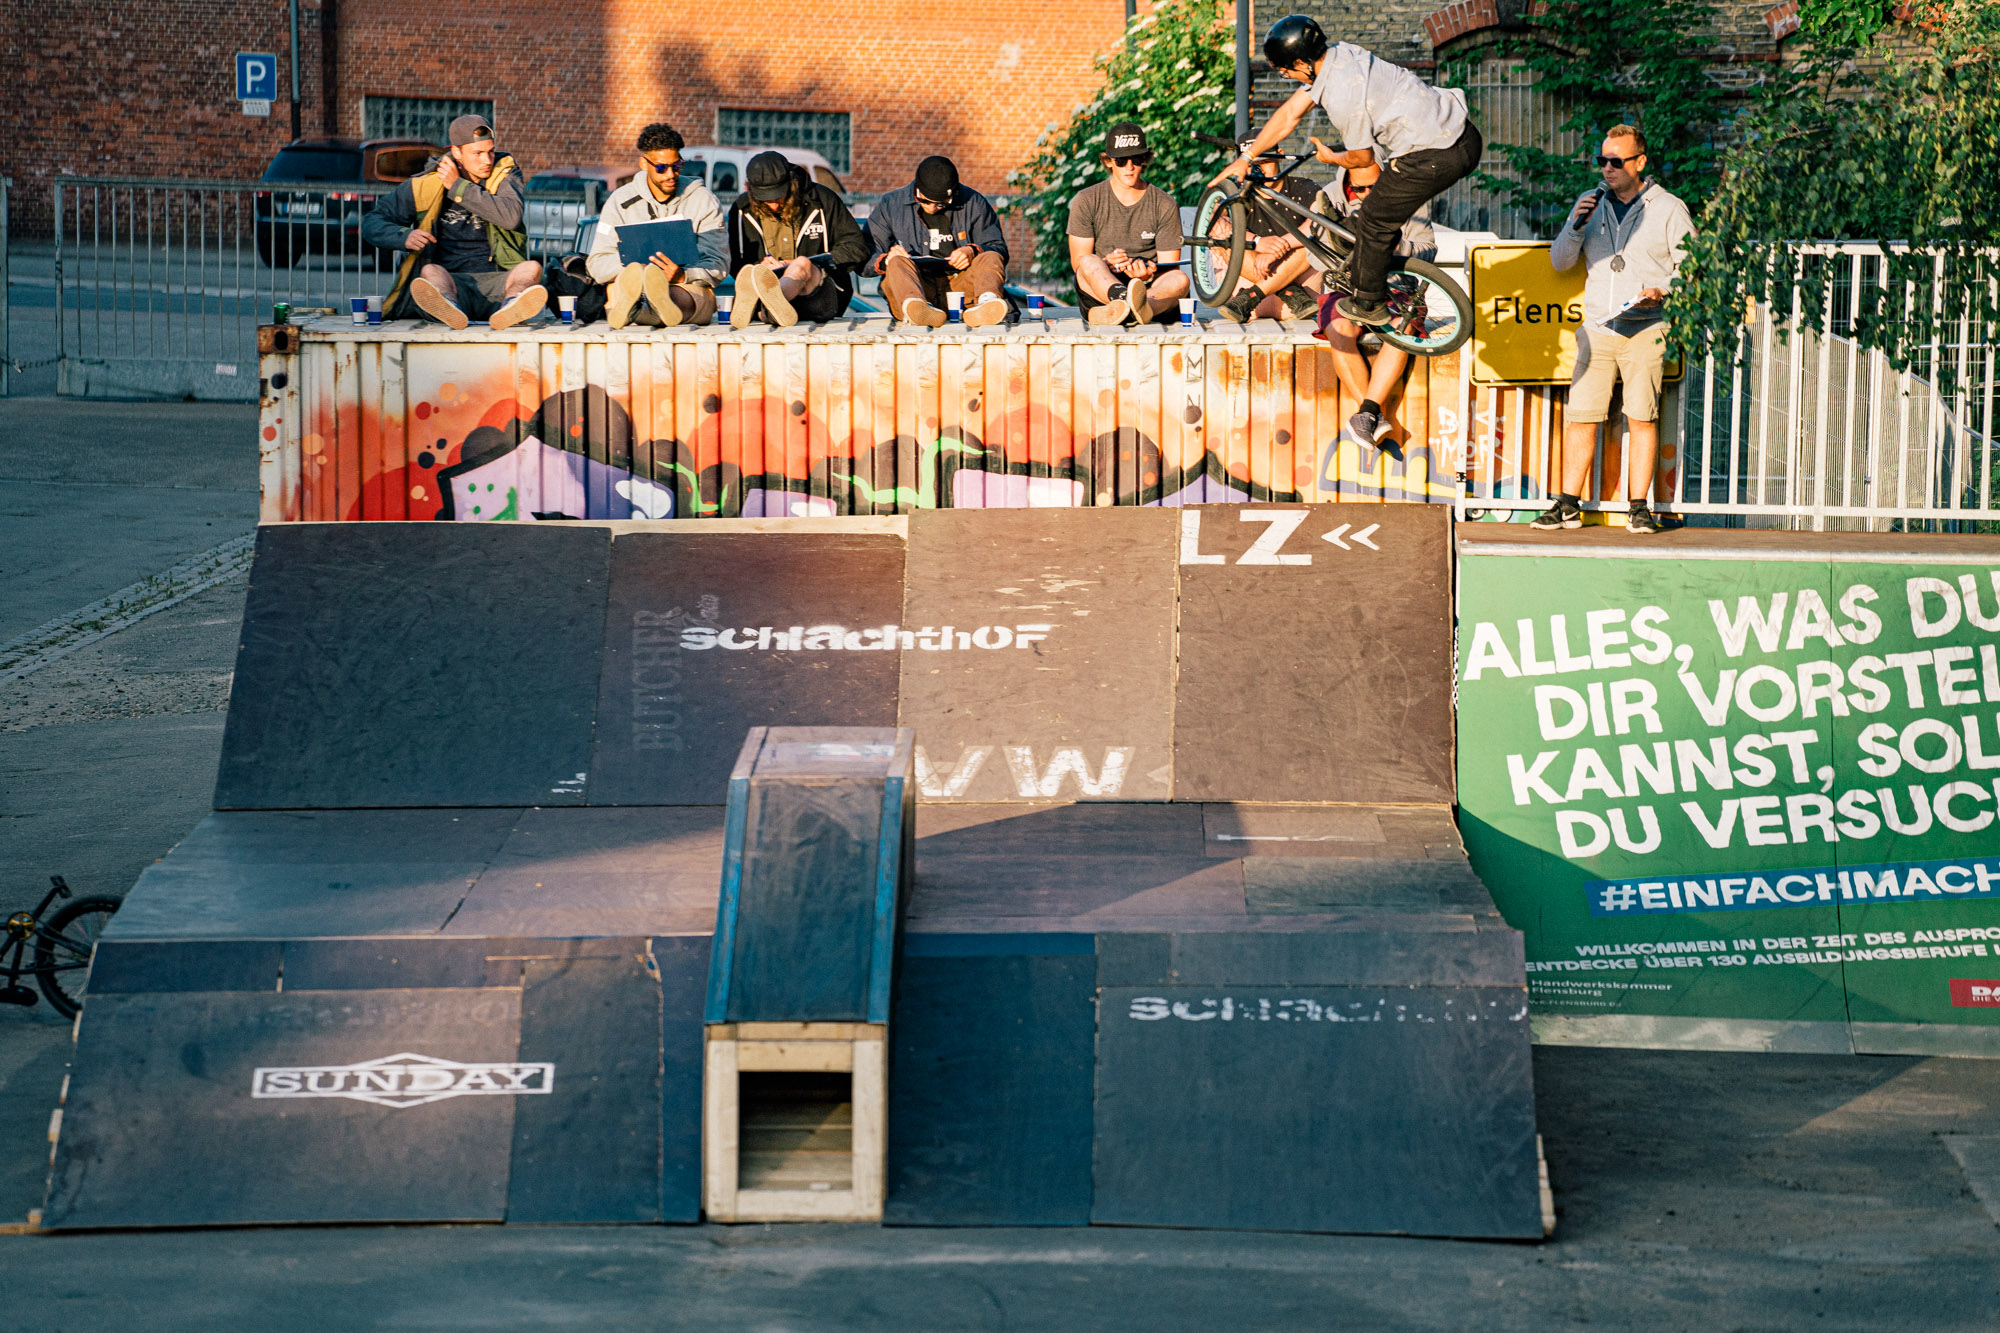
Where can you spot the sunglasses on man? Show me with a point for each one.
(934, 203)
(1141, 158)
(1603, 161)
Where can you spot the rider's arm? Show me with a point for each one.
(1281, 124)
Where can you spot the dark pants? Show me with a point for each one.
(1407, 184)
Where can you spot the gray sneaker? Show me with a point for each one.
(1642, 520)
(1561, 514)
(1238, 308)
(1301, 301)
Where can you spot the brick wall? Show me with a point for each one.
(574, 84)
(104, 89)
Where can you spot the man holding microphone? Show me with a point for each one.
(1631, 235)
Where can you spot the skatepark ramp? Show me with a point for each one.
(1190, 937)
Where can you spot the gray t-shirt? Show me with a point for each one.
(1373, 104)
(1144, 231)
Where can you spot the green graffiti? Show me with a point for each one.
(513, 510)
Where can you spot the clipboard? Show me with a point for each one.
(931, 266)
(638, 242)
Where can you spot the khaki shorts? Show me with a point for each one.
(1602, 359)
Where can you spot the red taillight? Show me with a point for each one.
(350, 196)
(263, 194)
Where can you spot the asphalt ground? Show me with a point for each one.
(1693, 1190)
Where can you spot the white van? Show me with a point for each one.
(721, 169)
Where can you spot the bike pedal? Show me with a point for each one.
(20, 995)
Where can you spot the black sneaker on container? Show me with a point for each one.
(1558, 515)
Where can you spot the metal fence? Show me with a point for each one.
(1501, 96)
(1804, 427)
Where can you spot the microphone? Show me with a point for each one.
(1598, 199)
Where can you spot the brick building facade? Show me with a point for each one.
(103, 89)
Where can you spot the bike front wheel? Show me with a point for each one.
(1216, 262)
(63, 946)
(1429, 314)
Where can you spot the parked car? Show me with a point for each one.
(560, 197)
(721, 169)
(326, 219)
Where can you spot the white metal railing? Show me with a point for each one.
(1804, 428)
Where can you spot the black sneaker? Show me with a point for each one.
(1301, 302)
(1369, 314)
(1239, 307)
(1642, 520)
(1368, 428)
(1561, 514)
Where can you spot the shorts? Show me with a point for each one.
(1604, 359)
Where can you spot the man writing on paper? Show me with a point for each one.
(462, 218)
(1125, 239)
(793, 244)
(660, 293)
(1631, 235)
(934, 236)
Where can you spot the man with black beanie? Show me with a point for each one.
(934, 236)
(793, 244)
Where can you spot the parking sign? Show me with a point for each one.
(256, 77)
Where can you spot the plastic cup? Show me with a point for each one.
(359, 305)
(1034, 305)
(374, 310)
(724, 303)
(567, 304)
(954, 304)
(1187, 312)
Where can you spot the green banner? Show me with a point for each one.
(1737, 788)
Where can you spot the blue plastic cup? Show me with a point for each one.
(359, 305)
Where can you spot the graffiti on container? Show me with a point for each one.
(494, 447)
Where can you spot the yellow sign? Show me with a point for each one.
(1525, 315)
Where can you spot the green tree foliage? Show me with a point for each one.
(1857, 144)
(1638, 62)
(1173, 72)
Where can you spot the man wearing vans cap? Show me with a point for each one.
(462, 220)
(1125, 239)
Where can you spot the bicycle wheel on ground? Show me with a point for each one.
(1214, 267)
(1429, 314)
(63, 946)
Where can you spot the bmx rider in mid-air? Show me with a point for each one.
(1385, 116)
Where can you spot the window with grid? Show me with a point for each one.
(828, 133)
(419, 117)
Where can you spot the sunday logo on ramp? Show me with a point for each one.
(402, 1080)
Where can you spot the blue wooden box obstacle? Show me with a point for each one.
(816, 870)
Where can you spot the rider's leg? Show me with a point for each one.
(1407, 184)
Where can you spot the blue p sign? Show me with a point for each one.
(256, 77)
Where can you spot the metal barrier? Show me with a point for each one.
(1805, 428)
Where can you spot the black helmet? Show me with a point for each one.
(1294, 40)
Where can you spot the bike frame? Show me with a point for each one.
(17, 944)
(1256, 192)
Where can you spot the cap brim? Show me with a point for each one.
(769, 193)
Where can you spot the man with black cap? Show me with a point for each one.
(1125, 239)
(793, 244)
(935, 236)
(461, 219)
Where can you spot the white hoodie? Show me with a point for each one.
(1652, 238)
(634, 202)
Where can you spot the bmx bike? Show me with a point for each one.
(62, 947)
(1429, 314)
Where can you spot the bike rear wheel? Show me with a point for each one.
(1214, 268)
(1429, 314)
(63, 946)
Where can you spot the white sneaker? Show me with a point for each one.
(747, 295)
(772, 296)
(660, 296)
(1111, 312)
(436, 304)
(525, 306)
(991, 309)
(917, 310)
(623, 296)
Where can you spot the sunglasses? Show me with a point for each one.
(1618, 161)
(662, 167)
(1141, 158)
(934, 203)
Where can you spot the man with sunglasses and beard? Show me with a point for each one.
(1631, 235)
(660, 293)
(1125, 239)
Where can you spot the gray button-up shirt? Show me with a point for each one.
(1649, 240)
(1373, 104)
